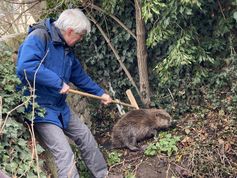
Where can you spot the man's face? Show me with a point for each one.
(71, 37)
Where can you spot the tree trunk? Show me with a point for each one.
(142, 54)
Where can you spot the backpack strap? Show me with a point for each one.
(40, 30)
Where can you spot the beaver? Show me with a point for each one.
(137, 125)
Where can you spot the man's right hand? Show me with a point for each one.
(64, 89)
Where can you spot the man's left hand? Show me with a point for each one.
(106, 99)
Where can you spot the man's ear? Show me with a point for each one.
(69, 31)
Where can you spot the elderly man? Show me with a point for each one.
(46, 58)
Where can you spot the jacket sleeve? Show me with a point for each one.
(83, 81)
(31, 54)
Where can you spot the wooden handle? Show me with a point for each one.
(98, 97)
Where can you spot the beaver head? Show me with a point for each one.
(162, 119)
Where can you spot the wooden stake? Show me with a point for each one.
(131, 98)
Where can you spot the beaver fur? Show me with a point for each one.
(138, 125)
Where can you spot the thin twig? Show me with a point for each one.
(8, 113)
(192, 159)
(137, 165)
(136, 158)
(122, 162)
(29, 2)
(28, 82)
(167, 171)
(0, 112)
(180, 166)
(33, 111)
(171, 95)
(32, 154)
(221, 9)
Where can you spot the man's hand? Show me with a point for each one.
(65, 88)
(106, 99)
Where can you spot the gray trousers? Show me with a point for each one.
(55, 139)
(2, 175)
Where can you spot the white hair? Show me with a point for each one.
(75, 19)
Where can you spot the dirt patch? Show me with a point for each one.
(153, 168)
(208, 148)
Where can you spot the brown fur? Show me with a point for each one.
(138, 125)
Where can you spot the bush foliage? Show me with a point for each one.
(192, 61)
(15, 147)
(191, 46)
(193, 51)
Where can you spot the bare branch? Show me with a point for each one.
(33, 113)
(8, 113)
(115, 52)
(116, 19)
(219, 4)
(19, 16)
(7, 37)
(28, 2)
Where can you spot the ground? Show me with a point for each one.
(207, 148)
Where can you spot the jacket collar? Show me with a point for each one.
(54, 32)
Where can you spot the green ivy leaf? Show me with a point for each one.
(235, 16)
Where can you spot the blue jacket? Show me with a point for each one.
(60, 65)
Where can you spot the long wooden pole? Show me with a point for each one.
(99, 98)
